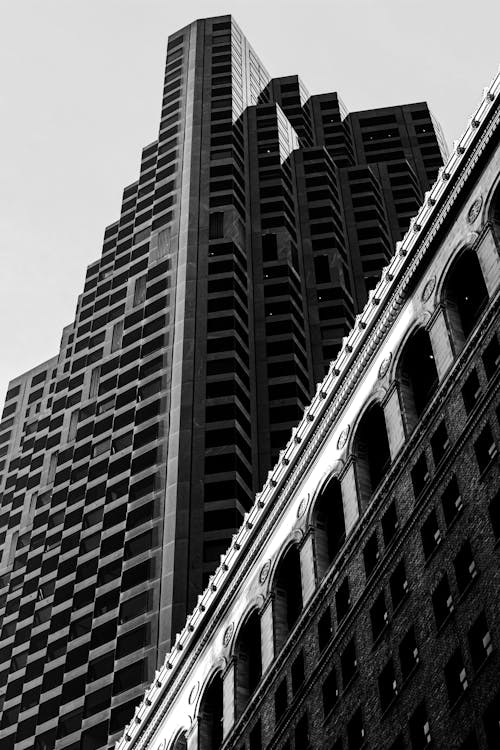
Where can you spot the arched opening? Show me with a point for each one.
(248, 661)
(417, 375)
(329, 525)
(180, 742)
(465, 296)
(287, 596)
(210, 728)
(371, 450)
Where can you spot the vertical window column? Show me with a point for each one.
(440, 342)
(267, 633)
(308, 573)
(489, 260)
(349, 497)
(394, 420)
(228, 698)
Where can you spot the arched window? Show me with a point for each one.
(329, 525)
(465, 296)
(417, 375)
(248, 661)
(287, 596)
(180, 742)
(210, 729)
(371, 450)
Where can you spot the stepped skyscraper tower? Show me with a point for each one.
(260, 222)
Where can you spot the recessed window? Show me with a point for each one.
(431, 535)
(349, 663)
(302, 732)
(390, 523)
(330, 692)
(325, 629)
(442, 601)
(370, 554)
(379, 616)
(451, 501)
(355, 731)
(280, 699)
(343, 600)
(420, 475)
(491, 357)
(480, 644)
(465, 567)
(485, 448)
(398, 584)
(420, 731)
(471, 391)
(439, 442)
(298, 673)
(455, 676)
(387, 687)
(494, 510)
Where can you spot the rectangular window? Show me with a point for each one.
(116, 339)
(387, 687)
(330, 692)
(480, 644)
(494, 510)
(431, 535)
(370, 554)
(343, 600)
(398, 584)
(485, 448)
(355, 731)
(420, 475)
(325, 630)
(94, 382)
(140, 290)
(302, 732)
(216, 225)
(491, 357)
(298, 673)
(389, 523)
(420, 731)
(439, 442)
(471, 391)
(455, 676)
(442, 601)
(451, 501)
(379, 616)
(349, 663)
(280, 699)
(465, 567)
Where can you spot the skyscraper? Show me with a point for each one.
(261, 220)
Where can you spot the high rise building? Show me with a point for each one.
(260, 222)
(358, 606)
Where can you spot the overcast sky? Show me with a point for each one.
(80, 92)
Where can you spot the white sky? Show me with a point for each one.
(80, 93)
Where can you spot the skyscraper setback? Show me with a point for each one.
(261, 220)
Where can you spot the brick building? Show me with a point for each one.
(261, 219)
(358, 605)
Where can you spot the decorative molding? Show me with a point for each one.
(264, 572)
(384, 366)
(428, 289)
(343, 437)
(475, 210)
(228, 634)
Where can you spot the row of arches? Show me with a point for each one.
(225, 697)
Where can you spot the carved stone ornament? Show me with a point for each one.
(264, 571)
(162, 745)
(228, 633)
(193, 693)
(429, 288)
(343, 437)
(302, 507)
(384, 365)
(474, 210)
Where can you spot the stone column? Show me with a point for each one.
(307, 566)
(394, 420)
(349, 496)
(440, 342)
(267, 633)
(228, 697)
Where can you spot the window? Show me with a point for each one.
(325, 629)
(390, 523)
(387, 687)
(418, 376)
(455, 676)
(281, 699)
(451, 501)
(431, 535)
(371, 448)
(330, 692)
(480, 644)
(329, 525)
(370, 554)
(439, 442)
(470, 742)
(139, 290)
(398, 584)
(288, 595)
(349, 663)
(355, 731)
(255, 737)
(343, 600)
(420, 731)
(216, 225)
(465, 295)
(491, 723)
(471, 391)
(442, 601)
(485, 448)
(378, 616)
(491, 357)
(420, 475)
(465, 567)
(494, 510)
(408, 654)
(298, 673)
